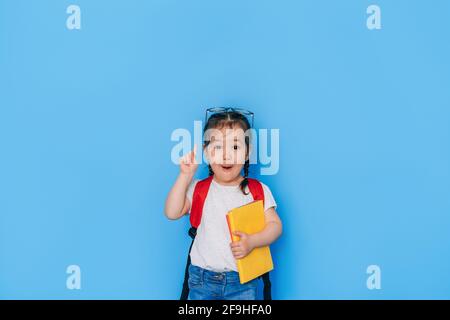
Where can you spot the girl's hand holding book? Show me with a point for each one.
(243, 247)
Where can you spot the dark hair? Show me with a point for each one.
(230, 119)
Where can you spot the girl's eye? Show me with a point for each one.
(217, 147)
(237, 147)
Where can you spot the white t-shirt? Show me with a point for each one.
(211, 249)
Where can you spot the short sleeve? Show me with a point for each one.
(190, 191)
(269, 200)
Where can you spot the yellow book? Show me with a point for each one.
(250, 219)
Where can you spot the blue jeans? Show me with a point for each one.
(210, 285)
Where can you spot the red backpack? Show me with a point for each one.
(198, 200)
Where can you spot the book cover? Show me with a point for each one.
(250, 219)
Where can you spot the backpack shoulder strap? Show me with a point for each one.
(198, 199)
(256, 189)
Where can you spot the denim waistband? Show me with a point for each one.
(208, 275)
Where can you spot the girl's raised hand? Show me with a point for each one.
(188, 164)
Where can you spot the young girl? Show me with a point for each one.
(213, 270)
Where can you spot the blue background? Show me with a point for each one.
(86, 117)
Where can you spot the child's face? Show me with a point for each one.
(226, 152)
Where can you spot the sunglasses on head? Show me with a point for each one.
(248, 114)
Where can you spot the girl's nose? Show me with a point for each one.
(227, 154)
